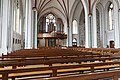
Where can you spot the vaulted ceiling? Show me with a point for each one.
(62, 5)
(62, 8)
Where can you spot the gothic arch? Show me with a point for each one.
(101, 10)
(94, 36)
(87, 43)
(82, 29)
(115, 22)
(74, 31)
(71, 20)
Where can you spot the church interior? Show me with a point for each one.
(59, 40)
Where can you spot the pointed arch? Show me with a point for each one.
(115, 32)
(103, 36)
(87, 43)
(116, 23)
(95, 26)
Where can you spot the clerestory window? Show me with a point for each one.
(110, 12)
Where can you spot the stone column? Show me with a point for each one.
(70, 36)
(89, 33)
(34, 28)
(94, 29)
(28, 25)
(78, 41)
(4, 27)
(87, 29)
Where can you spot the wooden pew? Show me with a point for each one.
(55, 69)
(99, 50)
(52, 60)
(114, 75)
(38, 61)
(69, 58)
(51, 53)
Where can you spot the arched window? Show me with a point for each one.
(17, 20)
(110, 12)
(75, 27)
(14, 19)
(20, 26)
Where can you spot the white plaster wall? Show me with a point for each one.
(110, 36)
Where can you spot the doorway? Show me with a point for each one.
(112, 44)
(74, 42)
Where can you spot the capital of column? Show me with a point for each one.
(34, 8)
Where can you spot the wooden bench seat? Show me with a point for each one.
(51, 62)
(58, 69)
(31, 59)
(46, 58)
(114, 75)
(49, 72)
(49, 52)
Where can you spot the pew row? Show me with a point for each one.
(38, 61)
(114, 75)
(54, 70)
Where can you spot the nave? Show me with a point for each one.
(59, 39)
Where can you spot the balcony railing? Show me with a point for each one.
(53, 35)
